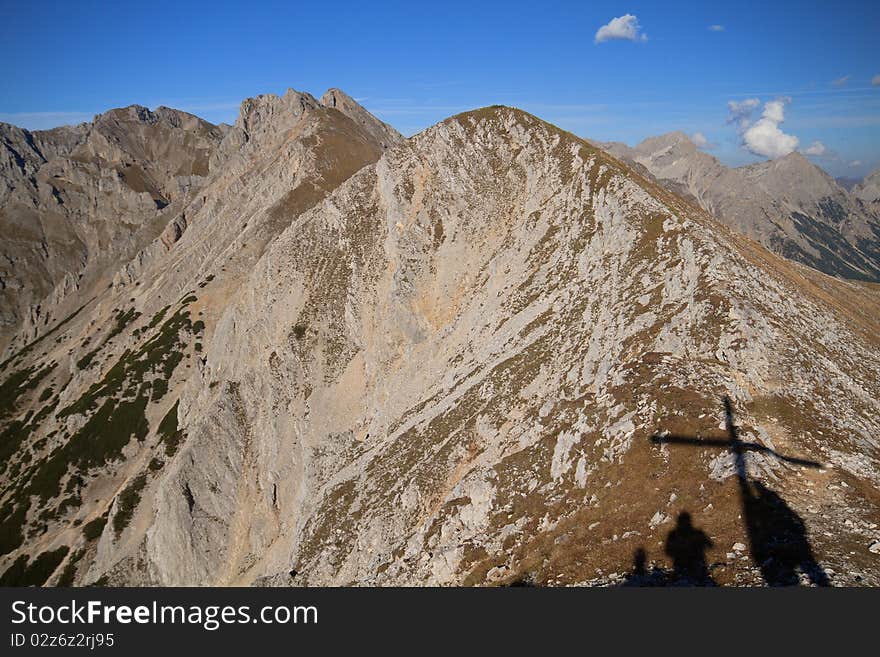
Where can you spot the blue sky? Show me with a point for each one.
(415, 63)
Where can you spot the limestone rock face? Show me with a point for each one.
(436, 361)
(789, 205)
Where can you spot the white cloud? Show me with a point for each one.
(856, 163)
(774, 110)
(876, 80)
(816, 149)
(624, 27)
(716, 28)
(841, 81)
(741, 112)
(763, 137)
(700, 141)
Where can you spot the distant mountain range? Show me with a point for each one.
(789, 205)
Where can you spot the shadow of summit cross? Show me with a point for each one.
(776, 533)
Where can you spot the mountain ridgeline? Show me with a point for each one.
(789, 205)
(303, 350)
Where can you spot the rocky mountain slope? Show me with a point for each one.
(442, 363)
(75, 202)
(789, 205)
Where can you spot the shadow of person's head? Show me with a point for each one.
(684, 521)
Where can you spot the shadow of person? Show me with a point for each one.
(640, 559)
(686, 546)
(640, 576)
(778, 538)
(777, 535)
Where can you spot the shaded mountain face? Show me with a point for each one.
(789, 205)
(75, 202)
(443, 363)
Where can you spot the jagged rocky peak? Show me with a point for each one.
(339, 100)
(868, 190)
(158, 159)
(129, 114)
(793, 176)
(163, 145)
(675, 139)
(270, 110)
(19, 156)
(165, 115)
(77, 202)
(792, 164)
(672, 157)
(263, 120)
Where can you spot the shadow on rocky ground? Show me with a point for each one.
(777, 535)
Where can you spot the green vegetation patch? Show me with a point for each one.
(158, 317)
(122, 319)
(161, 353)
(17, 384)
(21, 573)
(12, 518)
(168, 432)
(159, 388)
(127, 502)
(86, 361)
(115, 410)
(117, 405)
(15, 434)
(69, 572)
(93, 529)
(11, 439)
(100, 440)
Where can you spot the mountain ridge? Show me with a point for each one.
(116, 151)
(440, 362)
(789, 205)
